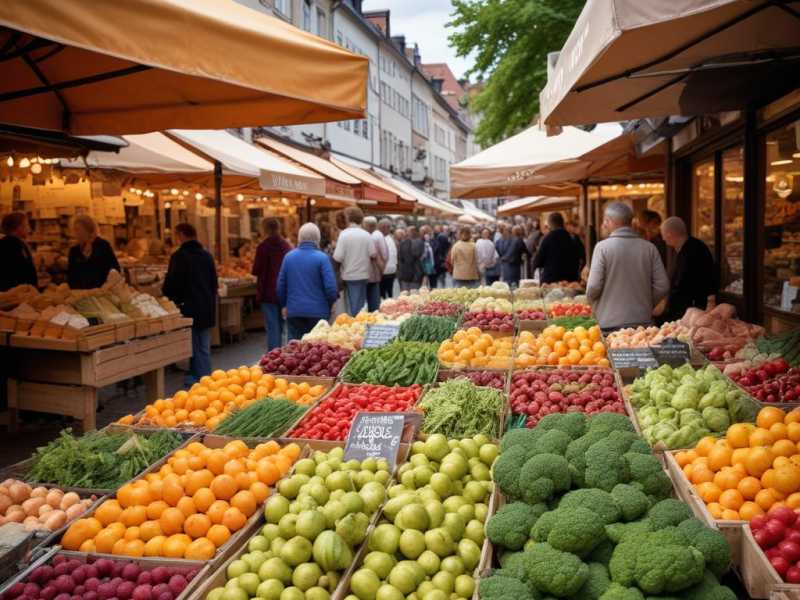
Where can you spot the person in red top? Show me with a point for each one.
(267, 265)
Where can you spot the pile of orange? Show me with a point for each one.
(215, 396)
(750, 470)
(557, 346)
(189, 507)
(476, 349)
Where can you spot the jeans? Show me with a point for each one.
(467, 283)
(373, 296)
(387, 286)
(433, 280)
(200, 363)
(273, 323)
(299, 326)
(409, 286)
(512, 274)
(356, 295)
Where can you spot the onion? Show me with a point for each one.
(19, 492)
(69, 499)
(31, 523)
(5, 503)
(54, 497)
(75, 510)
(39, 492)
(15, 515)
(55, 520)
(31, 506)
(44, 509)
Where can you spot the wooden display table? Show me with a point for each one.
(67, 382)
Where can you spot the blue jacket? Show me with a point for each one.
(306, 283)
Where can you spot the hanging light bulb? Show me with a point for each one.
(132, 190)
(167, 204)
(36, 168)
(174, 192)
(285, 201)
(24, 163)
(239, 197)
(10, 161)
(198, 196)
(185, 193)
(313, 202)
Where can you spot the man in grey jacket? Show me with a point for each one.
(626, 278)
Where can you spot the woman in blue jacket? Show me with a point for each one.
(306, 283)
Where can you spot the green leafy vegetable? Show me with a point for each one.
(262, 419)
(459, 408)
(420, 328)
(398, 363)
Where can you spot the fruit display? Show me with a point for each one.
(749, 470)
(63, 577)
(748, 357)
(458, 408)
(490, 304)
(777, 533)
(459, 295)
(440, 309)
(101, 460)
(717, 327)
(318, 359)
(348, 332)
(499, 289)
(315, 524)
(786, 345)
(187, 509)
(570, 323)
(559, 296)
(398, 363)
(404, 304)
(538, 393)
(568, 288)
(557, 346)
(489, 321)
(634, 337)
(262, 419)
(530, 292)
(483, 378)
(529, 314)
(558, 309)
(472, 348)
(772, 381)
(589, 514)
(423, 328)
(428, 541)
(331, 418)
(678, 407)
(39, 508)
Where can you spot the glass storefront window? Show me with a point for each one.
(732, 207)
(782, 219)
(703, 202)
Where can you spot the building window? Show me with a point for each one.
(347, 125)
(364, 129)
(703, 202)
(322, 23)
(339, 38)
(283, 7)
(357, 127)
(307, 15)
(732, 208)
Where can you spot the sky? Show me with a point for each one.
(422, 21)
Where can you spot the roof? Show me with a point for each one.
(451, 89)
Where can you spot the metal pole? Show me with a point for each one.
(218, 209)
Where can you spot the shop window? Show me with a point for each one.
(703, 202)
(782, 219)
(732, 207)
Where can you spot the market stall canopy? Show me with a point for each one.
(478, 214)
(25, 141)
(427, 201)
(88, 67)
(532, 162)
(627, 59)
(535, 204)
(373, 187)
(243, 163)
(467, 220)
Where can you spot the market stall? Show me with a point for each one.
(535, 205)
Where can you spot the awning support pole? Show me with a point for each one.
(584, 216)
(218, 210)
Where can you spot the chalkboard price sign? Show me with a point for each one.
(380, 335)
(375, 435)
(632, 358)
(672, 352)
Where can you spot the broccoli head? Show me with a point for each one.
(506, 469)
(598, 501)
(511, 525)
(710, 542)
(560, 574)
(513, 563)
(709, 589)
(622, 566)
(541, 529)
(617, 592)
(602, 552)
(607, 422)
(554, 441)
(668, 568)
(576, 452)
(500, 587)
(668, 512)
(520, 437)
(596, 584)
(632, 501)
(571, 423)
(576, 530)
(616, 532)
(646, 470)
(605, 465)
(542, 476)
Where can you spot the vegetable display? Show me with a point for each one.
(771, 382)
(678, 407)
(707, 330)
(786, 345)
(440, 309)
(777, 533)
(588, 515)
(536, 394)
(315, 524)
(304, 358)
(475, 349)
(487, 320)
(431, 532)
(750, 469)
(331, 418)
(570, 310)
(262, 419)
(557, 346)
(531, 314)
(487, 304)
(190, 507)
(459, 295)
(571, 322)
(423, 328)
(39, 508)
(458, 408)
(404, 304)
(482, 378)
(398, 363)
(100, 578)
(100, 459)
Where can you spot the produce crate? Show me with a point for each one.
(759, 577)
(124, 331)
(502, 417)
(16, 559)
(445, 374)
(144, 562)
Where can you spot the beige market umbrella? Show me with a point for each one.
(467, 220)
(627, 59)
(536, 204)
(135, 66)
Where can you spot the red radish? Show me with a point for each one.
(780, 564)
(792, 575)
(784, 514)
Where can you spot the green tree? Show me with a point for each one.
(510, 40)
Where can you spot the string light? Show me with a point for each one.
(24, 163)
(167, 205)
(198, 196)
(36, 168)
(313, 202)
(285, 201)
(239, 197)
(173, 192)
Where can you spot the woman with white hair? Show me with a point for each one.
(91, 259)
(306, 284)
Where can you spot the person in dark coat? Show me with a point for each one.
(266, 266)
(512, 257)
(650, 222)
(441, 248)
(692, 277)
(533, 241)
(557, 255)
(409, 260)
(15, 256)
(574, 229)
(191, 283)
(91, 259)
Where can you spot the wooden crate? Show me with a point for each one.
(124, 331)
(759, 577)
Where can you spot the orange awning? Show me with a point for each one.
(374, 188)
(135, 66)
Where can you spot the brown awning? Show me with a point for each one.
(535, 204)
(373, 187)
(135, 66)
(627, 59)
